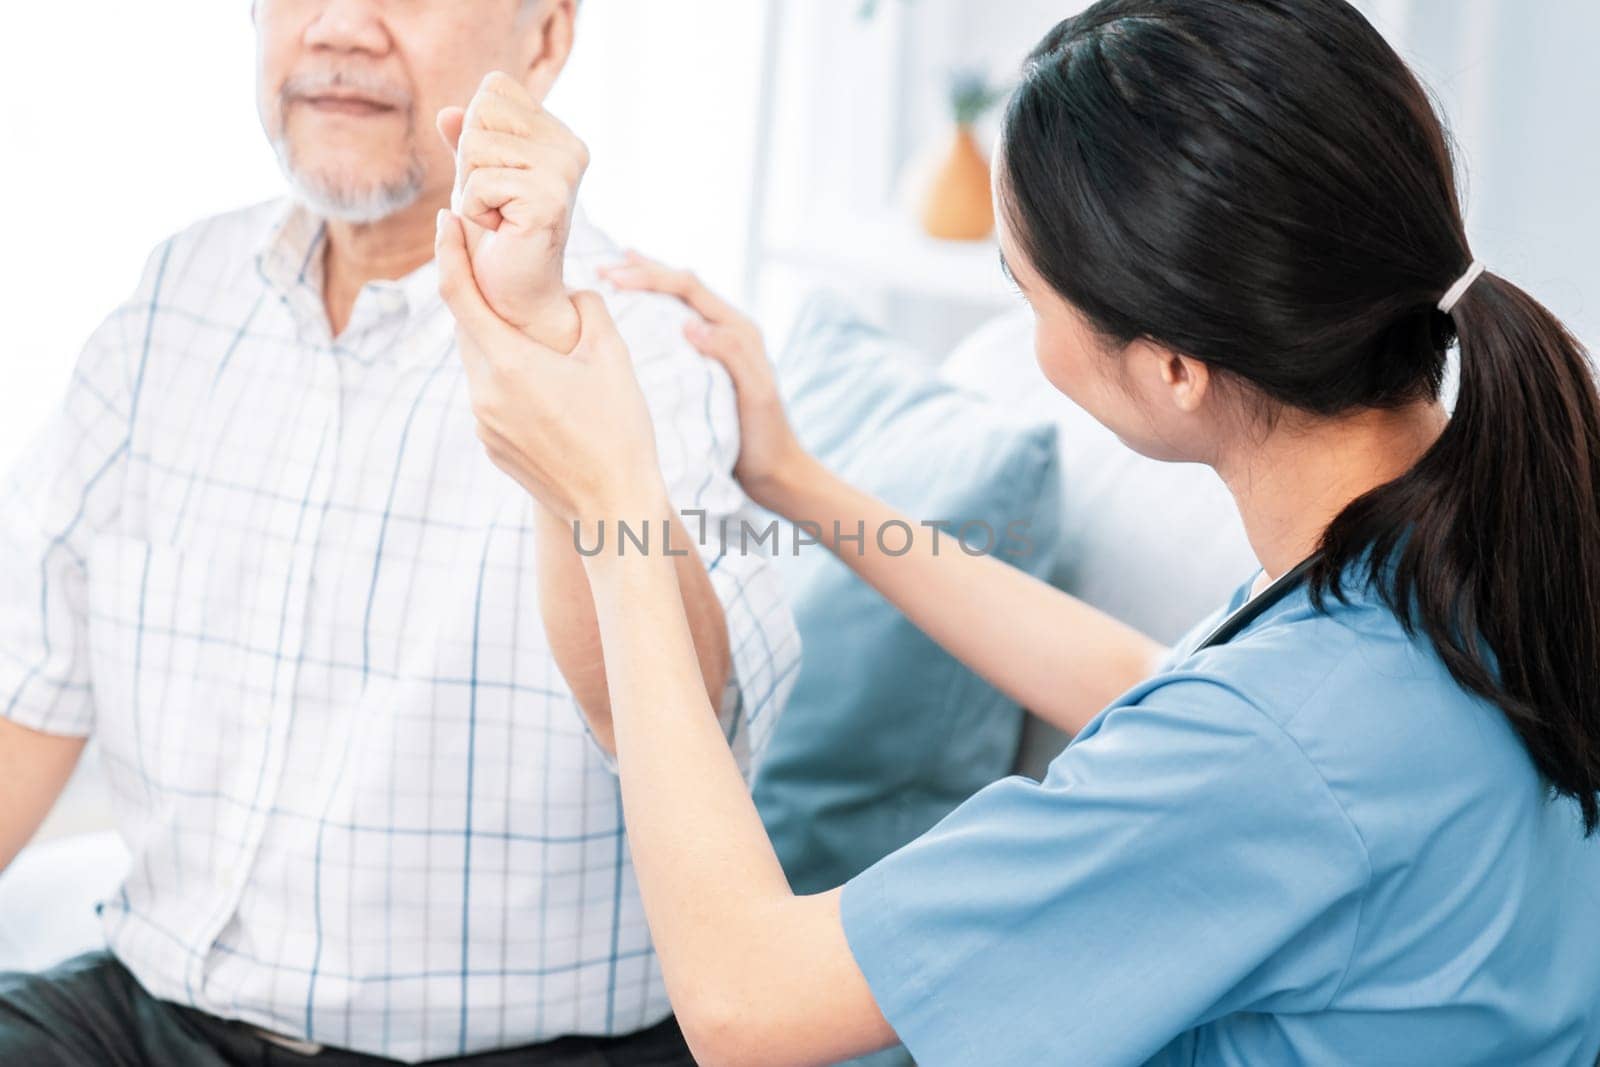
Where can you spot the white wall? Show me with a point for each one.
(665, 95)
(122, 122)
(126, 121)
(1517, 81)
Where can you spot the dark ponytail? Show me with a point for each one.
(1264, 185)
(1495, 533)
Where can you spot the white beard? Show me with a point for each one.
(355, 204)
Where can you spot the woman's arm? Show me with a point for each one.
(1049, 651)
(567, 606)
(757, 975)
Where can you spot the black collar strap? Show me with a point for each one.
(1257, 605)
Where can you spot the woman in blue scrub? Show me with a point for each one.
(1354, 823)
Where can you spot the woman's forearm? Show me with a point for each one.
(1049, 651)
(569, 617)
(750, 967)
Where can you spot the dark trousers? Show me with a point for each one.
(90, 1012)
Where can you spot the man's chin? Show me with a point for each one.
(357, 203)
(341, 186)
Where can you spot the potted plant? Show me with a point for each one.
(958, 203)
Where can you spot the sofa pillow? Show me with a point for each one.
(885, 733)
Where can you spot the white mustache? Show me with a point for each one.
(321, 83)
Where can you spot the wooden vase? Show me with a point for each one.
(959, 202)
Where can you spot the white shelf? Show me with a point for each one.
(891, 254)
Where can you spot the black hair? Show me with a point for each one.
(1264, 185)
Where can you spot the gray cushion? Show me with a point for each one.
(885, 732)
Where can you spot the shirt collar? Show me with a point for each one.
(289, 259)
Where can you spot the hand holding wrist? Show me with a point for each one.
(553, 321)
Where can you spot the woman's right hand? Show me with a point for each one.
(770, 454)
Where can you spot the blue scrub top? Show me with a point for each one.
(1309, 845)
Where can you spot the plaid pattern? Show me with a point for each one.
(275, 577)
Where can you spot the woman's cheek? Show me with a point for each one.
(1063, 365)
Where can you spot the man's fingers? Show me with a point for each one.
(506, 113)
(528, 200)
(492, 113)
(520, 115)
(499, 83)
(481, 195)
(490, 148)
(504, 130)
(451, 121)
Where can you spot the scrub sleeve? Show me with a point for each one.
(1182, 860)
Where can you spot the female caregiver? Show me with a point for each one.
(1355, 823)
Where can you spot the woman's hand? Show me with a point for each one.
(770, 454)
(574, 430)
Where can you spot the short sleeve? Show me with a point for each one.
(1182, 860)
(66, 486)
(695, 410)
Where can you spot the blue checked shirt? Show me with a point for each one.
(276, 578)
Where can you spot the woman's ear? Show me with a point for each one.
(550, 31)
(1179, 382)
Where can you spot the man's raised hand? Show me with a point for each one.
(518, 169)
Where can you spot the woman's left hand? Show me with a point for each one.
(574, 430)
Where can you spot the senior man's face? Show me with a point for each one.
(348, 91)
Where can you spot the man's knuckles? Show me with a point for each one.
(490, 149)
(489, 111)
(521, 118)
(532, 204)
(499, 83)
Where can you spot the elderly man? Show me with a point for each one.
(344, 675)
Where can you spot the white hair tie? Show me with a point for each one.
(1453, 296)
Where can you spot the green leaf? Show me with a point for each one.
(972, 95)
